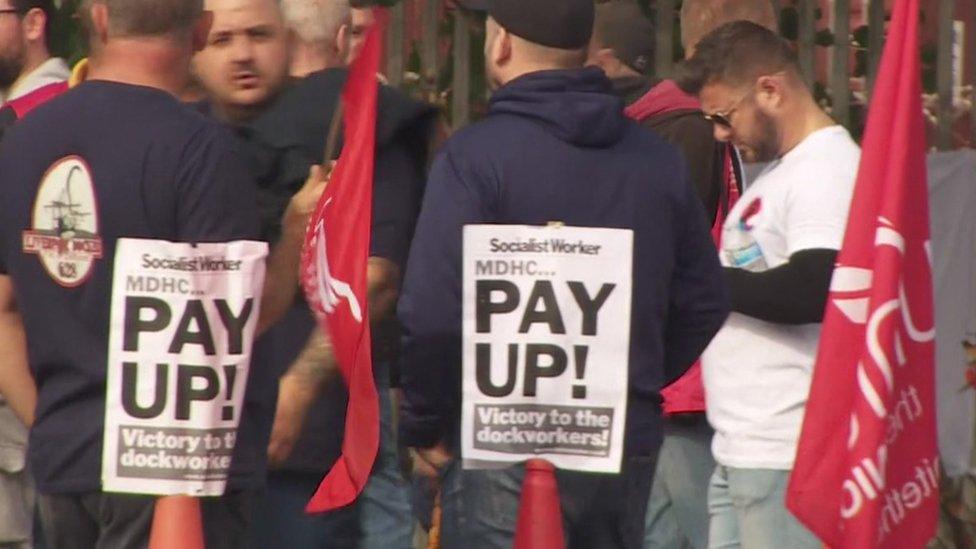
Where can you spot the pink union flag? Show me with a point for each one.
(334, 276)
(866, 472)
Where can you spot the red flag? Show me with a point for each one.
(334, 276)
(867, 463)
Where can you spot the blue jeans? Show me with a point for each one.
(748, 509)
(381, 518)
(677, 512)
(386, 514)
(480, 507)
(280, 519)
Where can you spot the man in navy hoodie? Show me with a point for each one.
(555, 146)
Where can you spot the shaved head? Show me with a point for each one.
(245, 62)
(508, 55)
(553, 57)
(132, 18)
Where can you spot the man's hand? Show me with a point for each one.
(382, 288)
(294, 400)
(282, 278)
(430, 462)
(303, 203)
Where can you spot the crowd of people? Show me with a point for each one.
(206, 121)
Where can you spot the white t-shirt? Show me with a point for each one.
(52, 71)
(757, 374)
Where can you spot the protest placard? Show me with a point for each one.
(546, 343)
(182, 327)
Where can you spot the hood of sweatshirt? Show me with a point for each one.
(576, 106)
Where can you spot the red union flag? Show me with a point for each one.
(866, 472)
(334, 277)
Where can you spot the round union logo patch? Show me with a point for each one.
(64, 224)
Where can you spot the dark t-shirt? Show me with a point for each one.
(156, 170)
(281, 144)
(7, 119)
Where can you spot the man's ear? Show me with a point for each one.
(605, 58)
(99, 20)
(201, 30)
(502, 48)
(769, 91)
(342, 42)
(35, 25)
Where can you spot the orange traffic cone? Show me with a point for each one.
(540, 518)
(177, 524)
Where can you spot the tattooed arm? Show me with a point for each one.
(299, 388)
(316, 365)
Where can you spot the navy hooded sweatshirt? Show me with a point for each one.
(556, 146)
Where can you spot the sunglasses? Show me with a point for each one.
(720, 119)
(724, 119)
(9, 10)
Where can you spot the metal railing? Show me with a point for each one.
(829, 63)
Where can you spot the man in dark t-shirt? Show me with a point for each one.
(142, 166)
(308, 426)
(283, 130)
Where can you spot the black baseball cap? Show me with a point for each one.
(623, 27)
(24, 6)
(562, 24)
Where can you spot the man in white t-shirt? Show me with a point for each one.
(779, 245)
(26, 63)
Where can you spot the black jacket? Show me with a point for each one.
(556, 146)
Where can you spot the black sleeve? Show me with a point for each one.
(693, 136)
(430, 304)
(397, 183)
(793, 293)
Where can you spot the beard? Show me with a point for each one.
(10, 69)
(766, 148)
